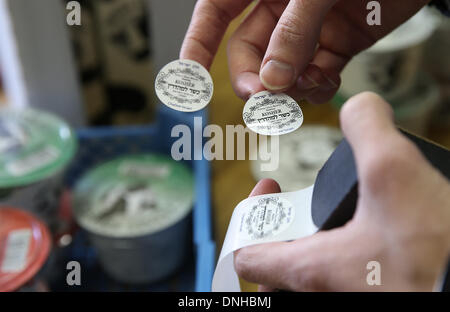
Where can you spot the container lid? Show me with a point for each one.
(133, 196)
(24, 248)
(33, 146)
(301, 155)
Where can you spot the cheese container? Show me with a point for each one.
(136, 211)
(35, 148)
(25, 244)
(301, 155)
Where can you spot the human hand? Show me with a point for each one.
(297, 46)
(402, 219)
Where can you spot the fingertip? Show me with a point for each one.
(277, 76)
(316, 85)
(320, 96)
(367, 123)
(366, 109)
(200, 56)
(246, 84)
(265, 186)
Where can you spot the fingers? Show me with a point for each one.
(265, 186)
(208, 25)
(267, 264)
(302, 265)
(316, 85)
(247, 45)
(246, 49)
(293, 43)
(321, 79)
(263, 288)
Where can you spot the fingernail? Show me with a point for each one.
(306, 82)
(277, 75)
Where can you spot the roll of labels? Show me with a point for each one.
(329, 203)
(186, 85)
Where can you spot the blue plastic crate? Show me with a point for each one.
(97, 145)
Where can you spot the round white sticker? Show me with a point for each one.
(272, 114)
(184, 85)
(266, 217)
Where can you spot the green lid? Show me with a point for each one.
(133, 195)
(33, 146)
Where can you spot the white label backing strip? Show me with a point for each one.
(263, 219)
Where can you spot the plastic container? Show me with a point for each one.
(35, 148)
(25, 244)
(390, 67)
(136, 210)
(102, 144)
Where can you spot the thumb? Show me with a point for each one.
(293, 43)
(380, 149)
(301, 265)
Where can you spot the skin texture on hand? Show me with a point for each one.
(297, 46)
(402, 219)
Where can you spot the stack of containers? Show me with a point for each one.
(35, 149)
(393, 69)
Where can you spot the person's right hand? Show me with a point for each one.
(297, 46)
(402, 219)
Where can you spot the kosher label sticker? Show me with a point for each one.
(265, 218)
(33, 162)
(184, 85)
(16, 251)
(272, 114)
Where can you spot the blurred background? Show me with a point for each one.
(86, 173)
